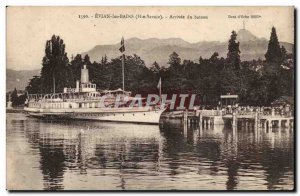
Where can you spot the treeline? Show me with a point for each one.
(16, 98)
(257, 82)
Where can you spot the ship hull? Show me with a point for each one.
(144, 116)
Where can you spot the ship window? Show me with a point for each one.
(80, 105)
(114, 114)
(144, 114)
(70, 106)
(132, 114)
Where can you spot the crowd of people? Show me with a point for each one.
(286, 110)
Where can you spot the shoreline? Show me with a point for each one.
(15, 110)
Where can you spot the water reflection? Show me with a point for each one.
(94, 155)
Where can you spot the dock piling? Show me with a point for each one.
(234, 119)
(200, 119)
(256, 120)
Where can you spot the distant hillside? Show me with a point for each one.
(153, 49)
(19, 79)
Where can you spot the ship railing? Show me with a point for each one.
(73, 99)
(35, 96)
(70, 96)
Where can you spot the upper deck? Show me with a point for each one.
(84, 95)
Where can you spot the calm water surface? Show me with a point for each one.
(95, 155)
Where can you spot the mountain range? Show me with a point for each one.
(19, 79)
(158, 50)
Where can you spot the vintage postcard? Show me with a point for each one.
(150, 98)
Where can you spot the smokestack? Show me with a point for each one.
(84, 75)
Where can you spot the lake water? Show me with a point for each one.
(86, 155)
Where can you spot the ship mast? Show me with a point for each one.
(159, 87)
(122, 50)
(123, 56)
(53, 84)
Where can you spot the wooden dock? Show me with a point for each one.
(218, 117)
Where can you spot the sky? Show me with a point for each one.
(28, 28)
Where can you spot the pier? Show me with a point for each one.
(256, 119)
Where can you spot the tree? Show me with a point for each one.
(233, 55)
(55, 71)
(283, 54)
(86, 60)
(274, 52)
(200, 59)
(14, 97)
(155, 68)
(214, 57)
(104, 60)
(174, 60)
(34, 86)
(76, 66)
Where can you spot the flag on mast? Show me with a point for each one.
(122, 48)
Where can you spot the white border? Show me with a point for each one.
(3, 4)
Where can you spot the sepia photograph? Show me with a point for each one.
(150, 98)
